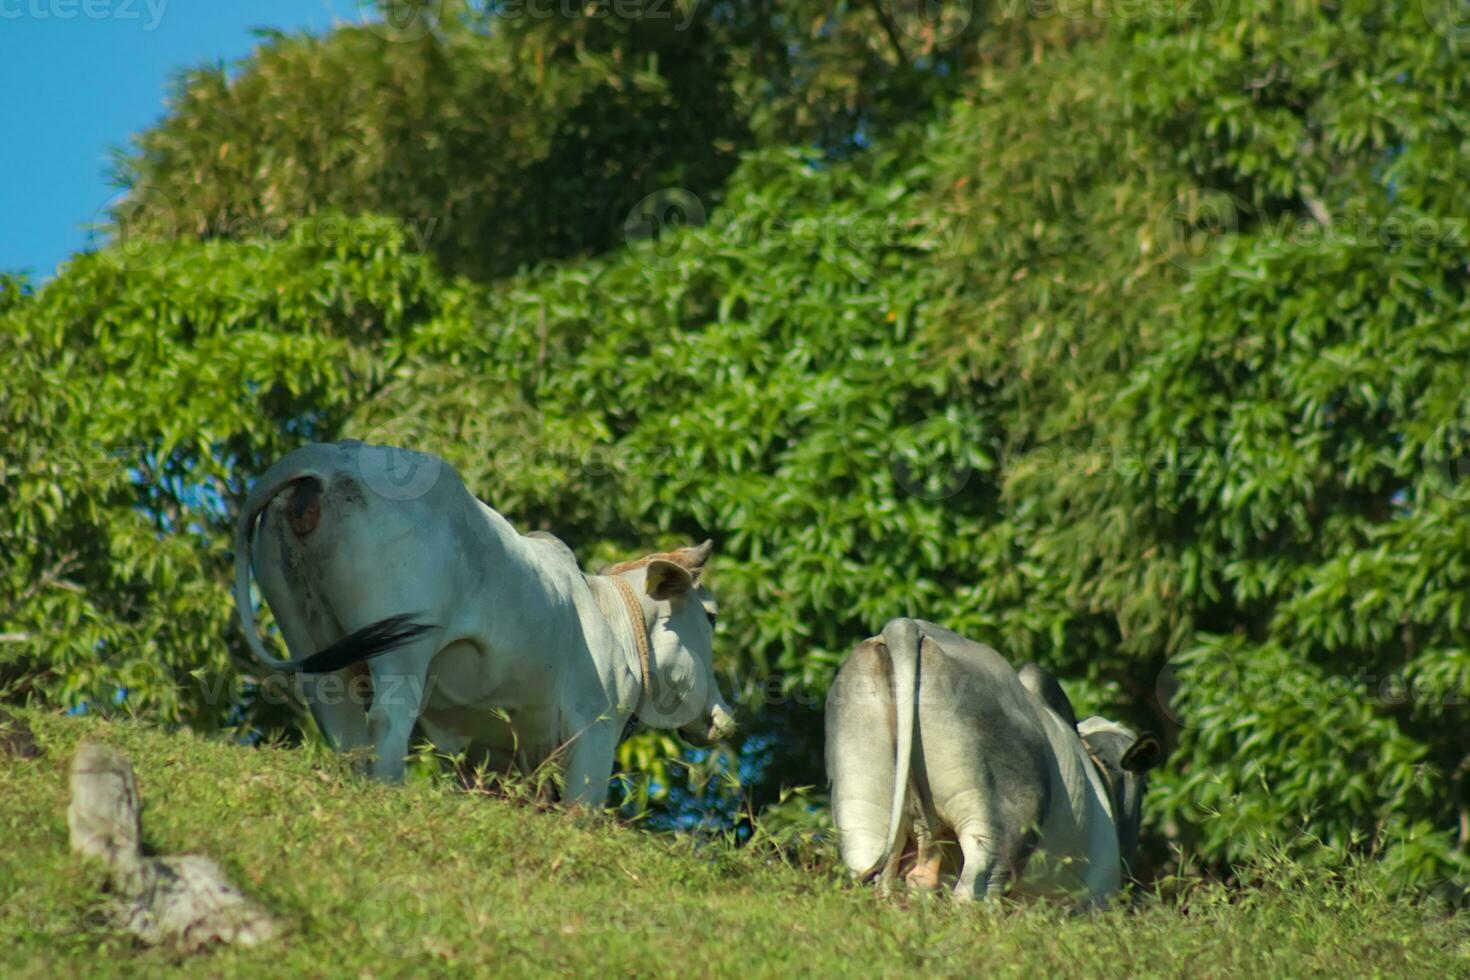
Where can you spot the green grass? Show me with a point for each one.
(383, 881)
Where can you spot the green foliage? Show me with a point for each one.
(1223, 335)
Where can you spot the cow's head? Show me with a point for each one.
(1125, 759)
(684, 693)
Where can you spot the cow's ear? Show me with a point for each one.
(667, 579)
(1142, 755)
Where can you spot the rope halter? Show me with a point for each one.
(640, 629)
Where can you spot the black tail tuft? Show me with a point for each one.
(371, 640)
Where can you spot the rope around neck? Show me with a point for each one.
(1107, 780)
(640, 629)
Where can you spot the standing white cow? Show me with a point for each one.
(935, 737)
(487, 639)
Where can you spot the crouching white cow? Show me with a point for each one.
(488, 640)
(936, 738)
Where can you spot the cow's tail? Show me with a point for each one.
(371, 640)
(312, 462)
(902, 638)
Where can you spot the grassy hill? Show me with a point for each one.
(380, 881)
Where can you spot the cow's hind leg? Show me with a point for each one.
(889, 873)
(993, 862)
(399, 681)
(978, 848)
(924, 876)
(338, 703)
(928, 850)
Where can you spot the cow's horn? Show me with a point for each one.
(699, 554)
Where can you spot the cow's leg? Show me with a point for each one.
(590, 763)
(977, 846)
(338, 703)
(399, 680)
(1101, 879)
(889, 874)
(861, 759)
(924, 876)
(923, 826)
(998, 860)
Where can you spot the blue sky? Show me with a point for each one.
(80, 76)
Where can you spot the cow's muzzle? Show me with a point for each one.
(707, 731)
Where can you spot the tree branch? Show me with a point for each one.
(48, 578)
(891, 29)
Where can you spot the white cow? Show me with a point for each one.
(933, 737)
(488, 640)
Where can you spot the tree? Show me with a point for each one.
(498, 148)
